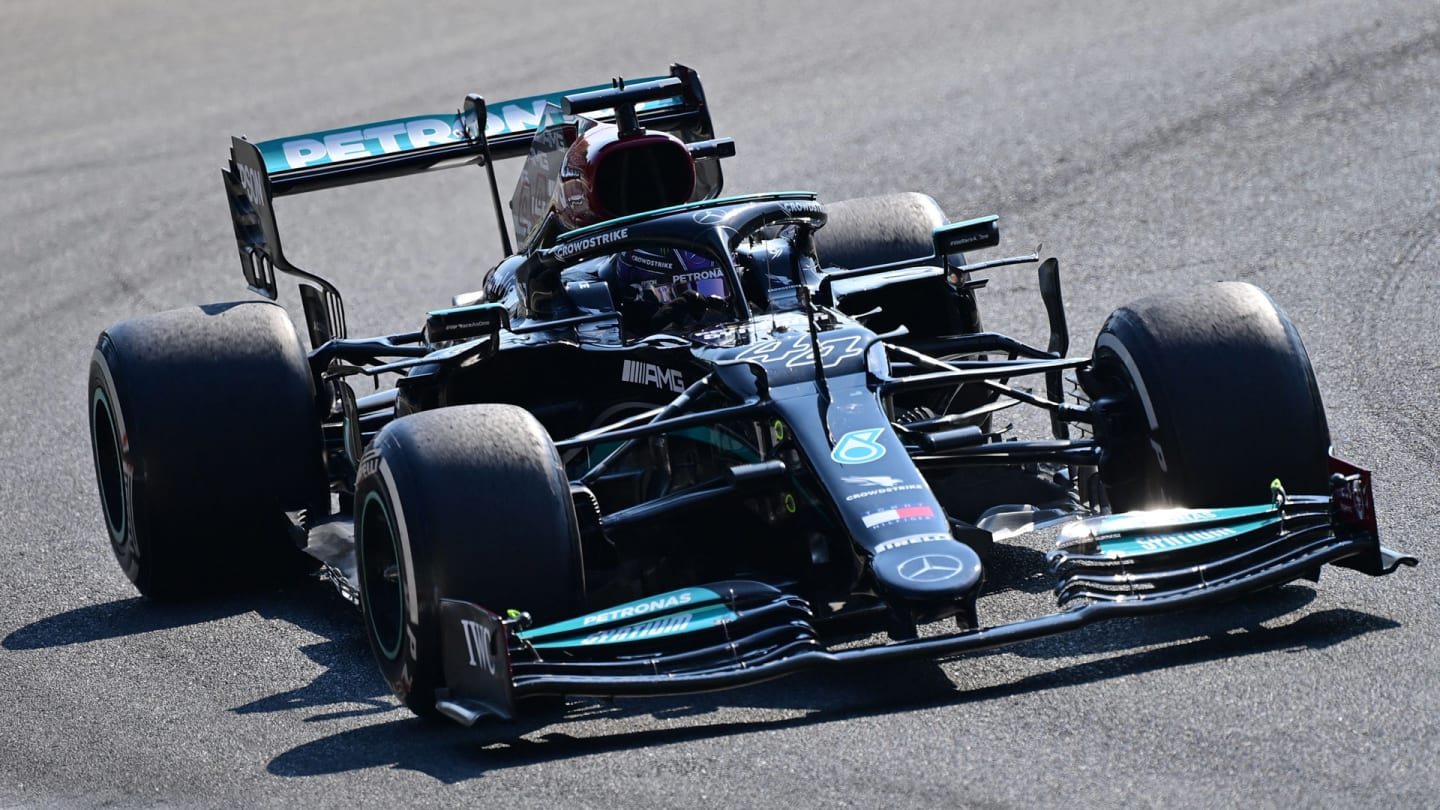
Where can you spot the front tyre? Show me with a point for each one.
(1209, 396)
(468, 502)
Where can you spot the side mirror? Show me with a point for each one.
(971, 234)
(590, 297)
(464, 323)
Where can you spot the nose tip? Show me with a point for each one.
(933, 569)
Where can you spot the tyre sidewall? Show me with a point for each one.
(409, 655)
(116, 482)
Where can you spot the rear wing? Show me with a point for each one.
(259, 172)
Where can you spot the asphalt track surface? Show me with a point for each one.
(1148, 145)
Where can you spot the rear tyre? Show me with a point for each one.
(468, 502)
(892, 228)
(203, 428)
(878, 230)
(1210, 396)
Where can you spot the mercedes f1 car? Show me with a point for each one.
(681, 441)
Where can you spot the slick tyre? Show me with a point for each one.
(891, 228)
(870, 231)
(469, 502)
(1212, 397)
(203, 430)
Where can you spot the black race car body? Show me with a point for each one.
(578, 485)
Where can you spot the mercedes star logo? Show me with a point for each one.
(708, 217)
(931, 568)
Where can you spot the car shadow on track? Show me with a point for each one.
(117, 619)
(452, 754)
(348, 685)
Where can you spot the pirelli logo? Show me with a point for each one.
(641, 373)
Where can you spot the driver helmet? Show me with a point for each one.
(608, 173)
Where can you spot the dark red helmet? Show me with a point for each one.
(607, 175)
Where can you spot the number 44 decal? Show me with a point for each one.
(859, 447)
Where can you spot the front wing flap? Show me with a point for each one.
(736, 633)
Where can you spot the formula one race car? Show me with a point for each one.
(680, 441)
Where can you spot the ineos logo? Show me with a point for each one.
(931, 568)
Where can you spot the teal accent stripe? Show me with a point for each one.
(661, 626)
(671, 602)
(1173, 518)
(689, 206)
(1142, 545)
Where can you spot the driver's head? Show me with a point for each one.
(663, 275)
(607, 175)
(663, 289)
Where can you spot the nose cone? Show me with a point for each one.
(931, 570)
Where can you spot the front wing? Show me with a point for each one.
(734, 633)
